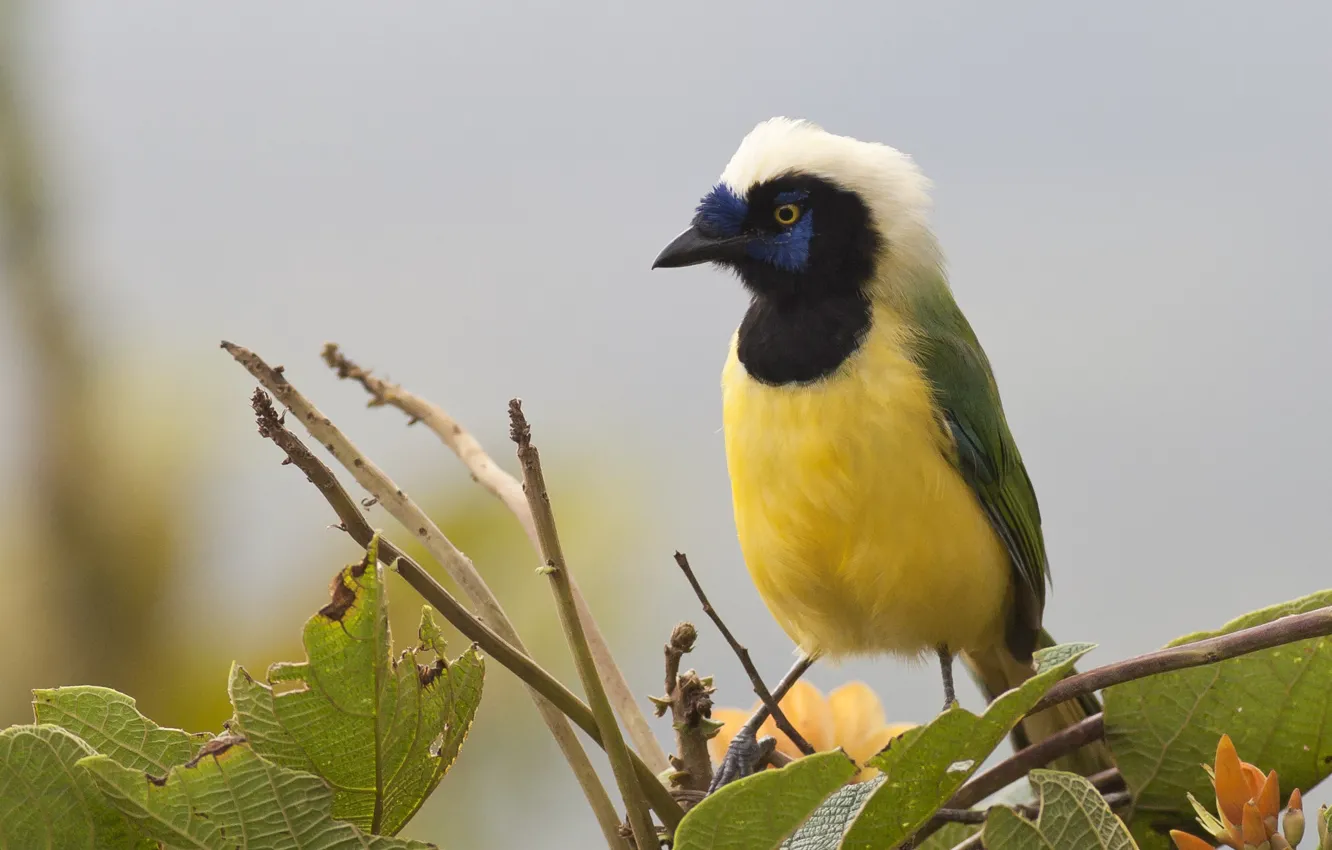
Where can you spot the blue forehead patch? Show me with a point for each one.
(792, 196)
(721, 212)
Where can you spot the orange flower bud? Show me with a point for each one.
(1232, 791)
(1184, 841)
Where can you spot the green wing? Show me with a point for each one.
(983, 450)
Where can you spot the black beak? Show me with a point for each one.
(693, 247)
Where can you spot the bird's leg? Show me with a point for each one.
(946, 667)
(748, 751)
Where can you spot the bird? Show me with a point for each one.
(881, 503)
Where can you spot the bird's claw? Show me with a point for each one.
(744, 757)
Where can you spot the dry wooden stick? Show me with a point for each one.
(778, 716)
(454, 562)
(509, 491)
(557, 570)
(1311, 624)
(513, 660)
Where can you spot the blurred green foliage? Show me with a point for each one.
(101, 525)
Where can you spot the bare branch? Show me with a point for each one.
(508, 490)
(788, 681)
(1023, 762)
(356, 525)
(557, 570)
(1282, 631)
(446, 554)
(778, 716)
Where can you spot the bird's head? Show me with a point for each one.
(801, 213)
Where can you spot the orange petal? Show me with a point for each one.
(1184, 841)
(1254, 832)
(734, 718)
(809, 713)
(857, 714)
(1269, 796)
(1253, 778)
(1231, 790)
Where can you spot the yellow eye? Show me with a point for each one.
(787, 214)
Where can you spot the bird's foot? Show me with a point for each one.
(744, 757)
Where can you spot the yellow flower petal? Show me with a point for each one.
(808, 711)
(857, 715)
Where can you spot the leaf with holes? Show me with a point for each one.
(924, 767)
(1074, 816)
(108, 721)
(228, 797)
(45, 801)
(759, 811)
(1276, 706)
(827, 825)
(380, 730)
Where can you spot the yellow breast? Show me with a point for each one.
(858, 532)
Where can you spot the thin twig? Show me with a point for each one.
(792, 676)
(355, 524)
(403, 509)
(1109, 779)
(512, 659)
(509, 491)
(1023, 762)
(778, 716)
(1279, 632)
(557, 570)
(689, 699)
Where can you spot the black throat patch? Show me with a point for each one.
(801, 341)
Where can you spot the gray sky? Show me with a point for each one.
(1133, 198)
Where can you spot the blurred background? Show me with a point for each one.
(1133, 198)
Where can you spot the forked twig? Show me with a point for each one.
(764, 695)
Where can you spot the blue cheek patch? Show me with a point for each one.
(721, 212)
(788, 250)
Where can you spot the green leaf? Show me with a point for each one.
(759, 811)
(949, 836)
(923, 768)
(108, 721)
(1275, 705)
(46, 802)
(228, 797)
(382, 731)
(1074, 816)
(824, 829)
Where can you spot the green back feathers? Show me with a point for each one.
(983, 449)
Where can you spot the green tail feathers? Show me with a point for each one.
(996, 671)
